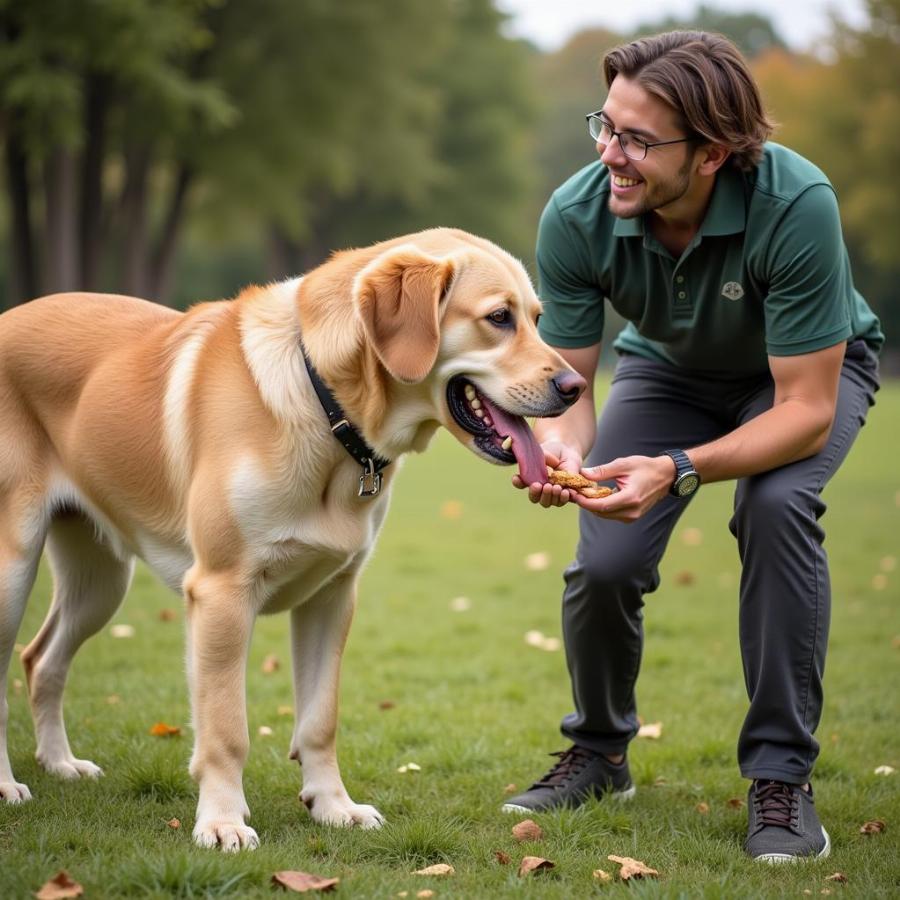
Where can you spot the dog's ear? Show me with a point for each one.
(399, 297)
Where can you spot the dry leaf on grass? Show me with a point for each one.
(692, 537)
(409, 767)
(685, 578)
(426, 893)
(167, 615)
(59, 887)
(301, 882)
(876, 826)
(386, 704)
(460, 604)
(264, 731)
(652, 731)
(537, 562)
(160, 729)
(736, 802)
(885, 770)
(879, 581)
(633, 868)
(601, 875)
(436, 869)
(122, 631)
(18, 685)
(285, 710)
(174, 823)
(531, 864)
(527, 830)
(271, 664)
(535, 638)
(451, 509)
(503, 858)
(840, 877)
(510, 789)
(702, 808)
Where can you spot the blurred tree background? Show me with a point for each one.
(179, 149)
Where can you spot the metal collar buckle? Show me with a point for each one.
(369, 481)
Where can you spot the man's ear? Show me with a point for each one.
(399, 298)
(712, 158)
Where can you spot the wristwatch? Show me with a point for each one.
(687, 480)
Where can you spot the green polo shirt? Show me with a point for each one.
(767, 274)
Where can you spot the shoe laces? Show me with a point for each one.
(571, 762)
(776, 803)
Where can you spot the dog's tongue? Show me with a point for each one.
(525, 447)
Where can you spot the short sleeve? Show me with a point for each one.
(810, 289)
(571, 298)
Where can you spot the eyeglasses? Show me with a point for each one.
(632, 146)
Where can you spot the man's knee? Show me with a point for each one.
(770, 504)
(609, 574)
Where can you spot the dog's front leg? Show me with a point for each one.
(220, 622)
(318, 632)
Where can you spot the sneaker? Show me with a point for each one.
(783, 824)
(579, 775)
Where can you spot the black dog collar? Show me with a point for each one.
(350, 438)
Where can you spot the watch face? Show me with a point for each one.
(687, 484)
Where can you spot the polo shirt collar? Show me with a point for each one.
(727, 213)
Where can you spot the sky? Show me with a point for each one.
(549, 23)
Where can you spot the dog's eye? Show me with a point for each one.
(500, 316)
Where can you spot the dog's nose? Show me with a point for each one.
(569, 386)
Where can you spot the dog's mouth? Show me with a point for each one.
(499, 434)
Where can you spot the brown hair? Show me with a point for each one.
(704, 77)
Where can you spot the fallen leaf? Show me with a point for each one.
(652, 731)
(685, 578)
(264, 731)
(535, 638)
(409, 767)
(825, 891)
(633, 868)
(503, 858)
(702, 808)
(876, 826)
(436, 869)
(285, 710)
(527, 830)
(174, 823)
(167, 615)
(692, 537)
(510, 789)
(17, 685)
(403, 894)
(122, 631)
(660, 781)
(451, 509)
(426, 893)
(888, 563)
(879, 581)
(531, 864)
(271, 664)
(301, 882)
(460, 604)
(838, 876)
(160, 729)
(537, 562)
(386, 704)
(736, 802)
(885, 770)
(59, 887)
(895, 643)
(600, 875)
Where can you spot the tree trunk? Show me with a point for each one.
(133, 277)
(160, 275)
(60, 224)
(97, 101)
(23, 283)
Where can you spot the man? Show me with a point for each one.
(749, 356)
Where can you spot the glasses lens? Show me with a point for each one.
(633, 147)
(595, 127)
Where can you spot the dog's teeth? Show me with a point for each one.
(488, 421)
(475, 404)
(479, 413)
(470, 392)
(507, 443)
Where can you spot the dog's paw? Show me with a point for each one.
(345, 814)
(70, 768)
(13, 792)
(229, 836)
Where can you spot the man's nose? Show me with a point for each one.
(611, 153)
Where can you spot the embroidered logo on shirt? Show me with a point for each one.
(732, 290)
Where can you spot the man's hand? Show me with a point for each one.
(557, 455)
(642, 481)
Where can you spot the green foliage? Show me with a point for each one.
(477, 708)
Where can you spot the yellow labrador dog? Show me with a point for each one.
(245, 450)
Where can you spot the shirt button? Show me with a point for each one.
(681, 295)
(680, 278)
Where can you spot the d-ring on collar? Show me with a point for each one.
(350, 438)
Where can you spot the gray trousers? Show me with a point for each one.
(785, 594)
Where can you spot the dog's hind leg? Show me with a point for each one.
(21, 541)
(89, 582)
(318, 632)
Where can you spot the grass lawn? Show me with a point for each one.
(477, 708)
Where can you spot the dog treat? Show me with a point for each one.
(574, 481)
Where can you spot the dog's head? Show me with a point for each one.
(458, 316)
